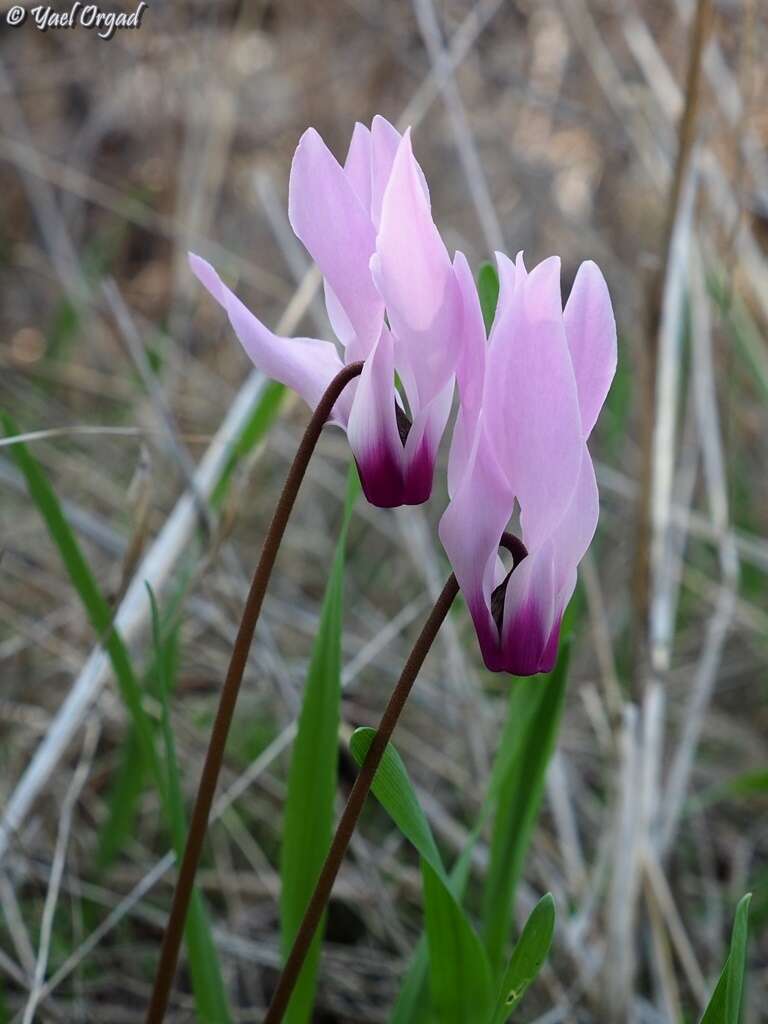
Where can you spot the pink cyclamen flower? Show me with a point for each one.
(392, 298)
(529, 399)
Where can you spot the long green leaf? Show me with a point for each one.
(529, 954)
(459, 973)
(488, 291)
(725, 1005)
(94, 602)
(411, 1004)
(313, 775)
(409, 1007)
(393, 789)
(461, 988)
(535, 709)
(204, 969)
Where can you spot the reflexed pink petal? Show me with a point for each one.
(357, 166)
(529, 613)
(508, 280)
(372, 428)
(462, 442)
(511, 275)
(415, 277)
(426, 429)
(304, 364)
(576, 529)
(470, 530)
(385, 139)
(563, 598)
(330, 220)
(470, 372)
(531, 401)
(470, 368)
(570, 542)
(340, 323)
(549, 657)
(591, 332)
(408, 386)
(421, 446)
(542, 584)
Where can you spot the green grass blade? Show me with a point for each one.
(751, 783)
(725, 1005)
(488, 291)
(449, 933)
(459, 972)
(393, 789)
(123, 797)
(748, 784)
(96, 606)
(312, 776)
(204, 969)
(411, 1005)
(529, 954)
(535, 710)
(743, 786)
(737, 961)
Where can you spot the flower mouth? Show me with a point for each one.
(403, 424)
(519, 551)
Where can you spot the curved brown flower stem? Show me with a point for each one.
(174, 931)
(354, 806)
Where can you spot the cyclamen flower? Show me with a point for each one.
(529, 399)
(369, 228)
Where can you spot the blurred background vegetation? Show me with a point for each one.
(552, 127)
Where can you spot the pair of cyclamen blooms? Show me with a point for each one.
(528, 396)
